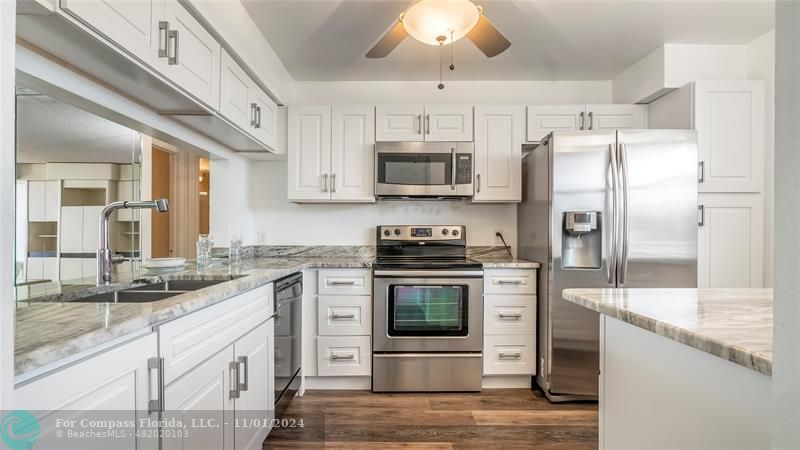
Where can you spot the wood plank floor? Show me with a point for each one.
(495, 418)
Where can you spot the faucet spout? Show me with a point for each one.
(104, 259)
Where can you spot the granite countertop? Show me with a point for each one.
(733, 324)
(50, 327)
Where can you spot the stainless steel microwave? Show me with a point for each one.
(424, 170)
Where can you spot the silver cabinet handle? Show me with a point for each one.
(582, 120)
(258, 116)
(157, 405)
(509, 282)
(701, 172)
(623, 158)
(333, 182)
(591, 120)
(427, 124)
(516, 355)
(478, 182)
(324, 182)
(452, 168)
(335, 316)
(253, 107)
(243, 360)
(510, 315)
(235, 391)
(419, 123)
(338, 357)
(341, 283)
(612, 265)
(701, 215)
(163, 31)
(172, 37)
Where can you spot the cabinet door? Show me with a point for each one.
(35, 269)
(235, 95)
(616, 117)
(37, 200)
(729, 118)
(89, 267)
(117, 380)
(51, 202)
(193, 60)
(731, 241)
(266, 120)
(448, 123)
(71, 229)
(401, 123)
(498, 153)
(544, 119)
(70, 270)
(255, 405)
(50, 269)
(309, 153)
(91, 229)
(131, 25)
(205, 393)
(352, 154)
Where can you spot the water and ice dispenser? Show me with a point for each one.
(582, 240)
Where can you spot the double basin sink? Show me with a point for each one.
(150, 292)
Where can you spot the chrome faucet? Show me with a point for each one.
(104, 259)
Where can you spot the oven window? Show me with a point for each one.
(426, 169)
(428, 310)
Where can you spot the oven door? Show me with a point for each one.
(435, 313)
(423, 169)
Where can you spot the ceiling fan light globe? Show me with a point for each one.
(428, 20)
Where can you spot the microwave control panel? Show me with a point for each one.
(463, 168)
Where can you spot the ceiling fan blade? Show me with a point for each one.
(388, 42)
(486, 37)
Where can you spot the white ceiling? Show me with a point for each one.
(325, 40)
(51, 131)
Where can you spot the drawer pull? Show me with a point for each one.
(341, 283)
(516, 355)
(340, 357)
(510, 315)
(335, 316)
(515, 282)
(235, 391)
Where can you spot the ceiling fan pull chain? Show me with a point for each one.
(452, 53)
(440, 39)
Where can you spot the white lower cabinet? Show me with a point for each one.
(344, 315)
(254, 353)
(344, 355)
(509, 322)
(509, 354)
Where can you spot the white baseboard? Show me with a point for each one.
(507, 382)
(338, 383)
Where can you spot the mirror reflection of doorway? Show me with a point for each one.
(160, 223)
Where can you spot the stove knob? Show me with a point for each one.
(445, 231)
(386, 232)
(397, 231)
(455, 232)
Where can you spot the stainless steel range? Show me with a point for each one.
(428, 311)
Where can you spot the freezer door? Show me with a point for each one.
(658, 230)
(582, 174)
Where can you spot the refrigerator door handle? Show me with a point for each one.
(612, 265)
(623, 158)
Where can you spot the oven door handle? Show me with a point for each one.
(429, 273)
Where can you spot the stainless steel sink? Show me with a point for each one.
(127, 296)
(178, 285)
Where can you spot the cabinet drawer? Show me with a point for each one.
(509, 354)
(342, 315)
(509, 281)
(345, 282)
(344, 356)
(509, 314)
(188, 341)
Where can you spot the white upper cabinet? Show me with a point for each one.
(730, 121)
(544, 119)
(448, 123)
(498, 151)
(236, 94)
(265, 123)
(193, 55)
(417, 123)
(401, 123)
(309, 153)
(43, 201)
(131, 25)
(353, 154)
(331, 153)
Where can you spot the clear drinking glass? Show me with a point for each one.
(204, 245)
(235, 249)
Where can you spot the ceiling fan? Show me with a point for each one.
(443, 22)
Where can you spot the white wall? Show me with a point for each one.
(231, 202)
(277, 221)
(7, 169)
(761, 66)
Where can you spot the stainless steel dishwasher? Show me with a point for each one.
(288, 332)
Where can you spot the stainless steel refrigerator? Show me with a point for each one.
(603, 209)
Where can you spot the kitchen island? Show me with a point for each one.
(683, 368)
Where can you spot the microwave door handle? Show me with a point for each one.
(452, 168)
